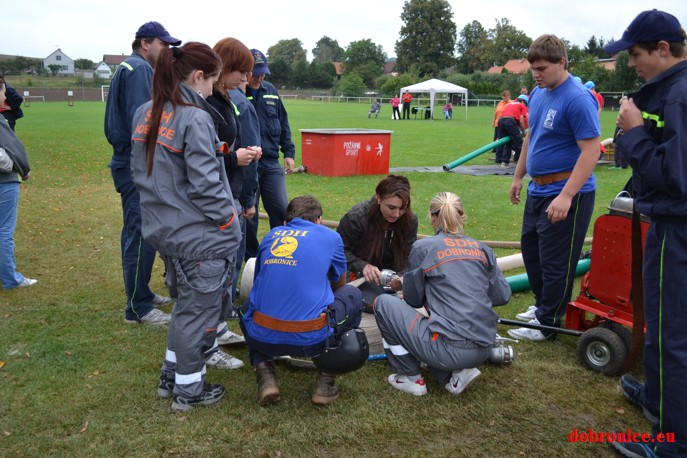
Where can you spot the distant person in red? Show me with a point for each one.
(599, 98)
(407, 99)
(395, 103)
(512, 123)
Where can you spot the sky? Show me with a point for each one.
(90, 28)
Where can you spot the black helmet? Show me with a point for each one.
(349, 355)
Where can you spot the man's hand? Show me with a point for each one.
(630, 116)
(289, 164)
(249, 213)
(558, 209)
(515, 189)
(258, 152)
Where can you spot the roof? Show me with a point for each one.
(114, 59)
(434, 85)
(517, 66)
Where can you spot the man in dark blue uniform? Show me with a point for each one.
(275, 134)
(655, 143)
(130, 88)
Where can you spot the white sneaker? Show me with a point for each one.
(460, 380)
(401, 382)
(27, 282)
(223, 360)
(153, 318)
(529, 314)
(534, 335)
(161, 300)
(230, 338)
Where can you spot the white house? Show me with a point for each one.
(102, 70)
(65, 62)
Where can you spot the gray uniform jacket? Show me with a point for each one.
(457, 279)
(187, 208)
(15, 150)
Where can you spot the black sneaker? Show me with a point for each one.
(631, 388)
(634, 449)
(210, 395)
(165, 388)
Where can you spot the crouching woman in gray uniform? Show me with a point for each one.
(187, 213)
(458, 282)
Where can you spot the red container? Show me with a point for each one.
(345, 152)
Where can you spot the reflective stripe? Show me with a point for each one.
(171, 356)
(396, 350)
(270, 96)
(653, 117)
(127, 65)
(187, 379)
(236, 109)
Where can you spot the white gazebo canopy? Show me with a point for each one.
(435, 86)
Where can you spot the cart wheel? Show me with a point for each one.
(624, 333)
(602, 350)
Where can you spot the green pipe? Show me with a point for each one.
(520, 282)
(477, 152)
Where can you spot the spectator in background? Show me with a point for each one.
(376, 106)
(524, 91)
(448, 110)
(505, 100)
(129, 89)
(512, 124)
(14, 167)
(395, 103)
(275, 135)
(11, 107)
(407, 99)
(599, 98)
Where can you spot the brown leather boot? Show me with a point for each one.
(268, 390)
(326, 390)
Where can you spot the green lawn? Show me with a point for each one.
(77, 381)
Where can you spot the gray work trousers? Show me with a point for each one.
(407, 340)
(201, 290)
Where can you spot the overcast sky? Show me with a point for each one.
(88, 29)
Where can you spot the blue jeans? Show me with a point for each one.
(272, 191)
(137, 256)
(9, 202)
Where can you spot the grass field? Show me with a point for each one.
(77, 381)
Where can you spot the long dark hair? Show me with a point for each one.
(398, 186)
(172, 67)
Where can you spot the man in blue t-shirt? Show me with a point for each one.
(559, 153)
(299, 301)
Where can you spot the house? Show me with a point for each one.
(390, 68)
(114, 60)
(103, 70)
(517, 66)
(608, 64)
(65, 63)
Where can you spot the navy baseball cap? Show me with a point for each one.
(154, 29)
(260, 66)
(648, 26)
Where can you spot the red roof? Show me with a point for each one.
(517, 66)
(114, 59)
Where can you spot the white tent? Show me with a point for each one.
(435, 86)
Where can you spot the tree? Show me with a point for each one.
(321, 76)
(280, 73)
(507, 43)
(327, 50)
(364, 58)
(393, 85)
(83, 64)
(351, 85)
(472, 48)
(288, 51)
(299, 75)
(624, 79)
(427, 38)
(54, 69)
